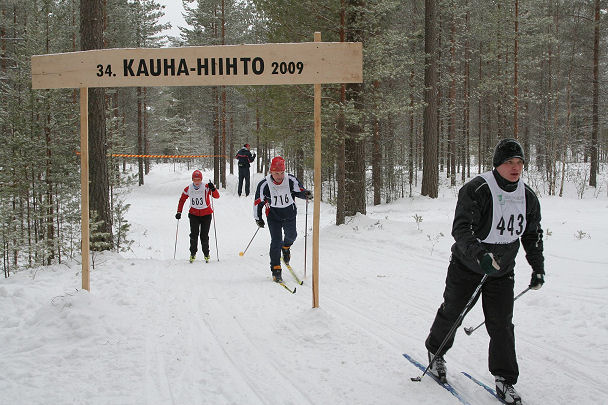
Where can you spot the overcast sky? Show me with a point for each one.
(173, 14)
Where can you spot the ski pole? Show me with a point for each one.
(214, 231)
(470, 330)
(175, 248)
(305, 236)
(454, 327)
(243, 252)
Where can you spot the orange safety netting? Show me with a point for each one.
(164, 156)
(161, 156)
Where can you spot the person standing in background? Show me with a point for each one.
(245, 158)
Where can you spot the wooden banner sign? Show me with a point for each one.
(263, 64)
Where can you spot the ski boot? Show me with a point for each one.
(192, 258)
(507, 392)
(276, 274)
(207, 258)
(438, 367)
(286, 254)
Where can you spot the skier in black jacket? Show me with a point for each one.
(276, 192)
(495, 210)
(245, 158)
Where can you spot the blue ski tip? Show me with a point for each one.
(446, 385)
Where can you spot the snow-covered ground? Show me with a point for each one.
(154, 330)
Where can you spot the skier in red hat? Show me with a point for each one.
(200, 212)
(276, 192)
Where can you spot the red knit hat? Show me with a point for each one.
(197, 175)
(277, 164)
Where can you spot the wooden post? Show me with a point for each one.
(317, 190)
(84, 184)
(314, 63)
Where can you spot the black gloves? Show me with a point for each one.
(488, 264)
(211, 186)
(253, 156)
(308, 194)
(260, 222)
(537, 281)
(178, 215)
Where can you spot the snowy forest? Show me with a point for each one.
(444, 80)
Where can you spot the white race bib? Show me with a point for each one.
(197, 197)
(280, 194)
(508, 212)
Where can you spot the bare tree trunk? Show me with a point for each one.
(556, 130)
(140, 139)
(480, 153)
(526, 135)
(223, 140)
(515, 72)
(231, 143)
(354, 144)
(145, 131)
(50, 211)
(467, 100)
(341, 160)
(596, 89)
(566, 134)
(377, 159)
(452, 104)
(216, 136)
(430, 176)
(300, 164)
(50, 230)
(91, 37)
(260, 155)
(410, 160)
(341, 130)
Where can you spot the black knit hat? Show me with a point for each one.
(506, 149)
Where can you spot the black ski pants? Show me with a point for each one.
(497, 303)
(199, 225)
(243, 175)
(277, 241)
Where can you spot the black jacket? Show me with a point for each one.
(244, 157)
(472, 222)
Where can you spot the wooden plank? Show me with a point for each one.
(84, 185)
(317, 195)
(258, 64)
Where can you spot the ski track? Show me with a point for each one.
(157, 382)
(266, 373)
(368, 325)
(221, 345)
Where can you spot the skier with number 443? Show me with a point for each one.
(276, 192)
(495, 210)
